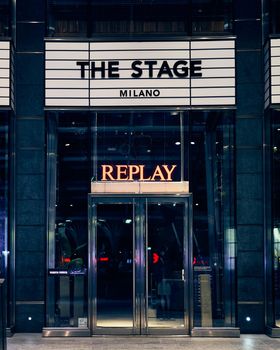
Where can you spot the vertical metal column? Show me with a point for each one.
(92, 264)
(140, 263)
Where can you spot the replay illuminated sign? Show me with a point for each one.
(136, 173)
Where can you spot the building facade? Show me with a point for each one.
(139, 155)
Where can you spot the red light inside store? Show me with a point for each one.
(155, 258)
(104, 259)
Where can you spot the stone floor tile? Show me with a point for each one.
(245, 342)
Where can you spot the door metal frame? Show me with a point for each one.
(92, 265)
(140, 321)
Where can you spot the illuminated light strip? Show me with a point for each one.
(274, 71)
(5, 73)
(140, 187)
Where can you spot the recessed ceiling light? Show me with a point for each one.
(178, 143)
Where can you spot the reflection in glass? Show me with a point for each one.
(275, 17)
(276, 217)
(67, 18)
(114, 265)
(276, 269)
(4, 137)
(89, 18)
(212, 16)
(140, 17)
(5, 18)
(148, 138)
(212, 184)
(71, 154)
(78, 144)
(165, 265)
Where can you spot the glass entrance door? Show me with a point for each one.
(140, 256)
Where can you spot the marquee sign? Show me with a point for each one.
(272, 72)
(4, 73)
(151, 73)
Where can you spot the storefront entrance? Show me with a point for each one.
(141, 263)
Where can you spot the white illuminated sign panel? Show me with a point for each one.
(4, 73)
(131, 74)
(275, 70)
(267, 75)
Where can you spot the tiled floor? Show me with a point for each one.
(246, 342)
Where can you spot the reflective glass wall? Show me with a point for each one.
(149, 139)
(212, 183)
(87, 18)
(274, 226)
(200, 144)
(69, 156)
(275, 16)
(4, 18)
(6, 216)
(4, 180)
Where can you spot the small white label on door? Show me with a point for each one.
(82, 322)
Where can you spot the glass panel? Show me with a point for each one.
(70, 155)
(276, 270)
(211, 16)
(68, 18)
(6, 209)
(87, 18)
(276, 215)
(4, 137)
(212, 184)
(275, 16)
(140, 17)
(114, 265)
(149, 139)
(165, 265)
(4, 18)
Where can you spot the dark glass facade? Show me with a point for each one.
(160, 263)
(212, 150)
(271, 137)
(89, 18)
(4, 193)
(275, 16)
(273, 225)
(5, 18)
(201, 146)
